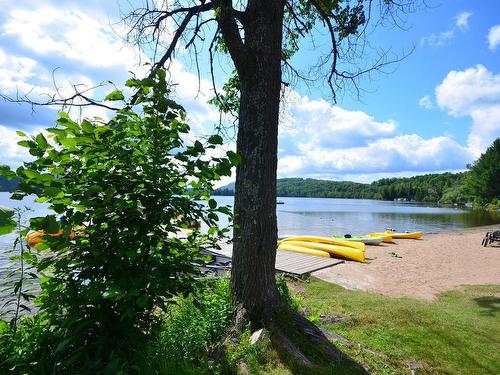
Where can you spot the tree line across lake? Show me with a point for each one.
(480, 185)
(437, 188)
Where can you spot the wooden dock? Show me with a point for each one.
(286, 261)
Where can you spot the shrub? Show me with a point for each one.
(193, 327)
(126, 185)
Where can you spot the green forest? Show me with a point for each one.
(436, 188)
(480, 185)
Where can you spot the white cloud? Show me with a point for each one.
(494, 37)
(438, 40)
(317, 122)
(70, 33)
(20, 76)
(463, 91)
(426, 102)
(83, 41)
(11, 153)
(325, 141)
(473, 92)
(391, 155)
(463, 20)
(16, 71)
(193, 93)
(442, 38)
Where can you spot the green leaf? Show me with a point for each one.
(62, 114)
(53, 192)
(215, 139)
(42, 246)
(41, 141)
(142, 301)
(7, 224)
(27, 144)
(87, 126)
(198, 147)
(7, 227)
(20, 133)
(49, 224)
(68, 142)
(114, 95)
(212, 204)
(63, 344)
(234, 158)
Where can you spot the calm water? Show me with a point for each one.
(326, 216)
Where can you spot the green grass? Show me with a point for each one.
(459, 333)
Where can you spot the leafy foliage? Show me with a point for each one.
(125, 187)
(29, 349)
(484, 178)
(7, 223)
(192, 328)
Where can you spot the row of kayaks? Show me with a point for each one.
(348, 247)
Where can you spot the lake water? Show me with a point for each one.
(328, 216)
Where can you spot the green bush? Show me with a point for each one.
(127, 185)
(193, 327)
(28, 348)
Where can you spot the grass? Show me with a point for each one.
(456, 334)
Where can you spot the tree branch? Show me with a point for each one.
(232, 37)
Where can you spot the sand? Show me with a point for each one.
(433, 264)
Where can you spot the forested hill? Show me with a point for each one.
(439, 188)
(442, 188)
(6, 185)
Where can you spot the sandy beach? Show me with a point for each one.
(428, 266)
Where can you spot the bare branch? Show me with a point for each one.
(64, 102)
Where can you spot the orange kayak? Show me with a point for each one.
(37, 237)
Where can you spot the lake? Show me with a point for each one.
(329, 216)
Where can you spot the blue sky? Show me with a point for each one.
(435, 111)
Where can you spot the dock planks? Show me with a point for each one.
(289, 262)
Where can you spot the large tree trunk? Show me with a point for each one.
(255, 234)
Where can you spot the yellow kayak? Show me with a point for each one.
(386, 237)
(412, 235)
(304, 250)
(37, 237)
(334, 250)
(327, 240)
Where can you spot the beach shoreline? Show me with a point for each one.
(422, 268)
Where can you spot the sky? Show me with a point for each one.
(437, 110)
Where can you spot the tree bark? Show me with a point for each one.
(255, 234)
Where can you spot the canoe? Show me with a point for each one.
(334, 250)
(304, 250)
(327, 240)
(412, 235)
(367, 240)
(385, 237)
(37, 237)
